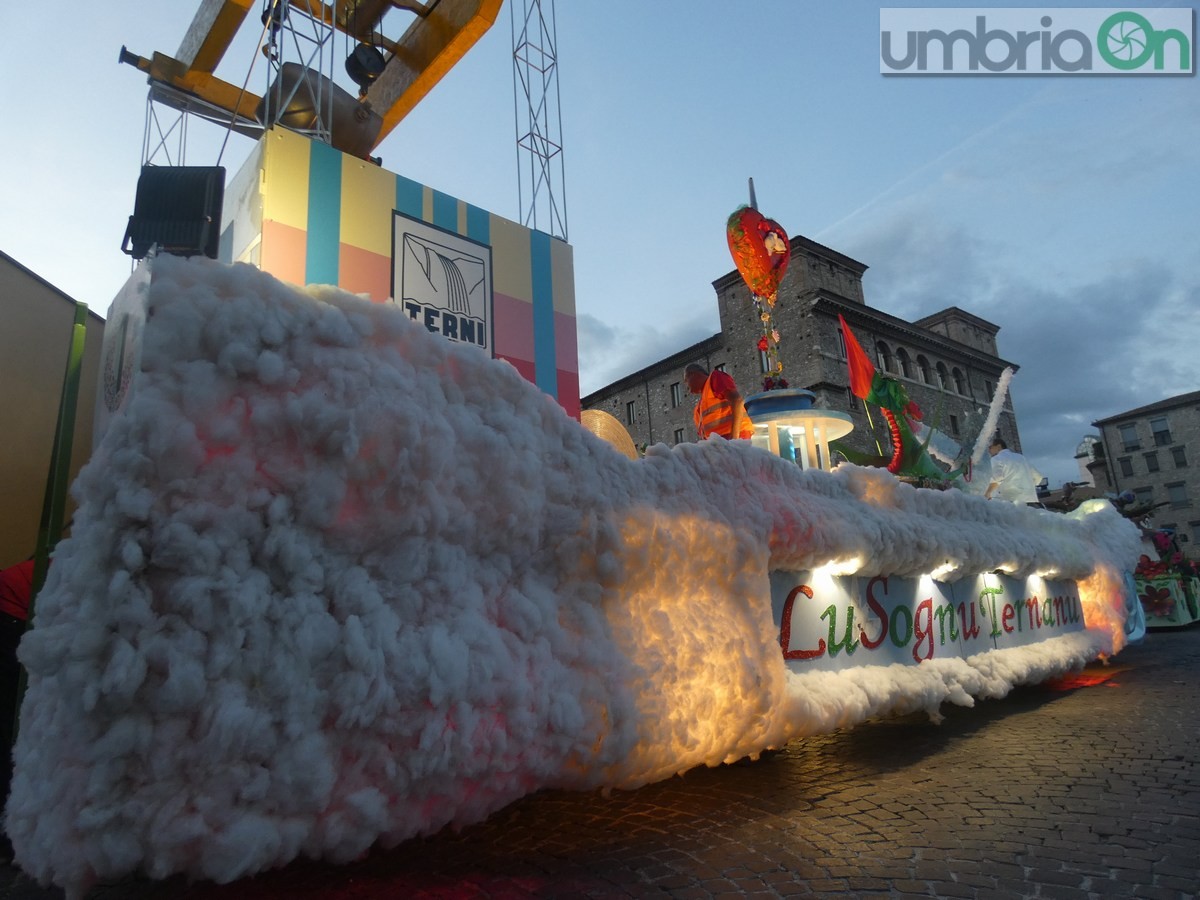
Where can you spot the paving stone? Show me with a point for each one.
(950, 889)
(1184, 885)
(1152, 892)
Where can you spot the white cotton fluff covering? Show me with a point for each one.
(335, 581)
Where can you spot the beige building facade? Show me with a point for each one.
(1153, 451)
(35, 343)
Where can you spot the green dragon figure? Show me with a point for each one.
(910, 456)
(913, 444)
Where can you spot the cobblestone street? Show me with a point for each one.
(1086, 787)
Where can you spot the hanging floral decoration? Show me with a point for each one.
(760, 251)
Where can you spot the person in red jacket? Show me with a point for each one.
(16, 588)
(720, 410)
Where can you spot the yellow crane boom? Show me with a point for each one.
(440, 35)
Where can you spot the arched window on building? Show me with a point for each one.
(923, 369)
(883, 357)
(943, 377)
(960, 383)
(904, 361)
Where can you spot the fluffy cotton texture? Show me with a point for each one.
(335, 581)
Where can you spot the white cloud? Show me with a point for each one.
(608, 353)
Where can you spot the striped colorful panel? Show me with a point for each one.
(282, 252)
(328, 218)
(324, 214)
(368, 198)
(363, 272)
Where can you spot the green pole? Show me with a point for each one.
(58, 481)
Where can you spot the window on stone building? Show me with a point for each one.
(943, 377)
(1195, 526)
(1161, 431)
(679, 435)
(954, 425)
(851, 400)
(841, 344)
(1126, 464)
(1151, 461)
(764, 362)
(1143, 495)
(1180, 456)
(883, 356)
(1178, 495)
(960, 384)
(631, 412)
(923, 369)
(1129, 437)
(720, 367)
(904, 361)
(676, 394)
(987, 390)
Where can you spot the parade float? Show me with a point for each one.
(346, 568)
(336, 582)
(1167, 583)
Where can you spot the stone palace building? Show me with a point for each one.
(947, 361)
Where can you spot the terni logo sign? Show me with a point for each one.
(443, 281)
(1035, 41)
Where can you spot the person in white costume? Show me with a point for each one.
(1013, 478)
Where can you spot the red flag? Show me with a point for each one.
(862, 370)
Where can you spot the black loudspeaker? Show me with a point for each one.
(177, 209)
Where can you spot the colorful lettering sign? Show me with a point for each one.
(835, 622)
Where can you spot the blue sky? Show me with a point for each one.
(1064, 209)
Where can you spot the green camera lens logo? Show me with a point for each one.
(1127, 41)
